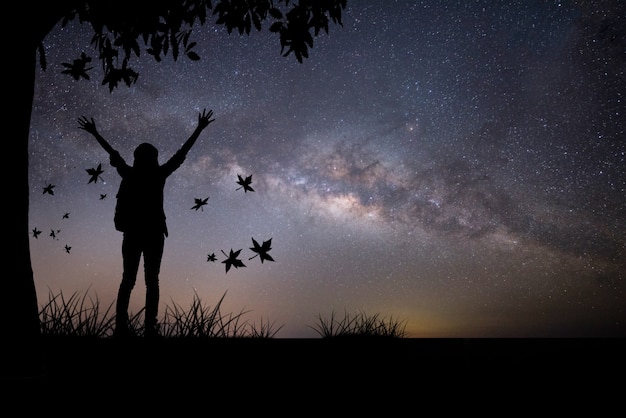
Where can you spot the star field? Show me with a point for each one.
(459, 166)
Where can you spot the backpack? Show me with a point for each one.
(122, 207)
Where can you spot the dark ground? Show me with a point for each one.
(314, 372)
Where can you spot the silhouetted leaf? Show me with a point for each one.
(115, 75)
(67, 248)
(66, 215)
(245, 183)
(103, 196)
(174, 44)
(42, 56)
(54, 233)
(261, 250)
(78, 68)
(211, 257)
(36, 233)
(189, 47)
(199, 203)
(193, 56)
(276, 27)
(48, 189)
(232, 260)
(94, 173)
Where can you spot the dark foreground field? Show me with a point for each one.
(172, 371)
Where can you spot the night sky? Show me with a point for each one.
(458, 166)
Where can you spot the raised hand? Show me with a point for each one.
(90, 126)
(204, 118)
(87, 125)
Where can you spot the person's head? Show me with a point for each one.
(146, 155)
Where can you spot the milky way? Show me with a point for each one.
(457, 166)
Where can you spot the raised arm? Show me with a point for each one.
(204, 119)
(90, 126)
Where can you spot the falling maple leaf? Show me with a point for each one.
(54, 233)
(103, 196)
(245, 184)
(211, 257)
(261, 250)
(78, 68)
(232, 260)
(36, 233)
(66, 215)
(199, 203)
(67, 249)
(94, 173)
(48, 189)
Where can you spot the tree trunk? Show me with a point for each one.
(21, 328)
(20, 310)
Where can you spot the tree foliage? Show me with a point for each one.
(123, 29)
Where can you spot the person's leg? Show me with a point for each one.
(153, 253)
(131, 255)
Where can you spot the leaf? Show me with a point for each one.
(245, 183)
(276, 27)
(114, 75)
(66, 215)
(48, 189)
(78, 68)
(232, 260)
(67, 248)
(94, 173)
(103, 196)
(54, 233)
(211, 257)
(189, 46)
(199, 203)
(36, 233)
(261, 250)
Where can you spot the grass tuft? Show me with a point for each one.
(76, 316)
(359, 325)
(201, 321)
(82, 316)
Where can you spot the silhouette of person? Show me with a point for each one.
(139, 214)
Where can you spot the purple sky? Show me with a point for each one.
(456, 166)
